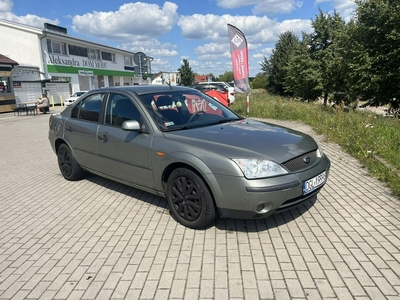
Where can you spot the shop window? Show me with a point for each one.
(94, 54)
(128, 60)
(5, 86)
(78, 51)
(56, 47)
(108, 56)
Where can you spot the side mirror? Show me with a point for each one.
(131, 125)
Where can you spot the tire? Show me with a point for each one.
(68, 165)
(189, 199)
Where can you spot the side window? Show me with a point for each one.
(120, 109)
(75, 111)
(89, 109)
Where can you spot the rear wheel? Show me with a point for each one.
(68, 165)
(189, 199)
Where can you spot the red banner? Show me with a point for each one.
(240, 60)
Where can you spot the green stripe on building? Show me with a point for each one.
(74, 70)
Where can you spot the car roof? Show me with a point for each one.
(205, 86)
(145, 89)
(209, 84)
(213, 82)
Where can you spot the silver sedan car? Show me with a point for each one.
(183, 145)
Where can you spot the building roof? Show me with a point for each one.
(200, 78)
(7, 61)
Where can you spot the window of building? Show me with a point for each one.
(5, 86)
(128, 60)
(56, 47)
(78, 51)
(108, 56)
(94, 54)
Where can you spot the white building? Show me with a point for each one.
(51, 61)
(171, 78)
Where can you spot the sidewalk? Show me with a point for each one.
(53, 109)
(380, 110)
(98, 239)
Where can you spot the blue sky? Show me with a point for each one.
(171, 31)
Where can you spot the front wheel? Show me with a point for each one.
(69, 167)
(189, 199)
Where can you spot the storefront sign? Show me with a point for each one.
(85, 73)
(76, 62)
(5, 73)
(25, 74)
(60, 79)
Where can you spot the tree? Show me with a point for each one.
(351, 65)
(187, 75)
(260, 81)
(275, 66)
(226, 77)
(377, 34)
(322, 46)
(303, 78)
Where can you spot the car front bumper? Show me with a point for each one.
(241, 198)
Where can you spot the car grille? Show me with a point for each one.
(301, 162)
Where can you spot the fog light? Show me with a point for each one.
(263, 207)
(260, 207)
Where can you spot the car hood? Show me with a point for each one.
(247, 139)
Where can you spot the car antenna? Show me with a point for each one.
(169, 84)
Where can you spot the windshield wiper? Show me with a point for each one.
(228, 120)
(180, 128)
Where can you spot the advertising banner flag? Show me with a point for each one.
(240, 60)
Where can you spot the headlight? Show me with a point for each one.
(319, 152)
(254, 168)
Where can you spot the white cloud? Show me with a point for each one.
(215, 48)
(346, 8)
(263, 52)
(31, 20)
(137, 20)
(151, 47)
(161, 65)
(269, 7)
(297, 26)
(6, 6)
(259, 32)
(256, 29)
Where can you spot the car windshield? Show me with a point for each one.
(77, 94)
(174, 110)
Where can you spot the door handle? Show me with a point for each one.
(103, 138)
(68, 129)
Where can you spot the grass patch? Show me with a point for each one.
(372, 139)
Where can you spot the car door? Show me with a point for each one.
(81, 130)
(125, 155)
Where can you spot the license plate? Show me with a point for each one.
(314, 183)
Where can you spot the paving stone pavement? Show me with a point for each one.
(97, 239)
